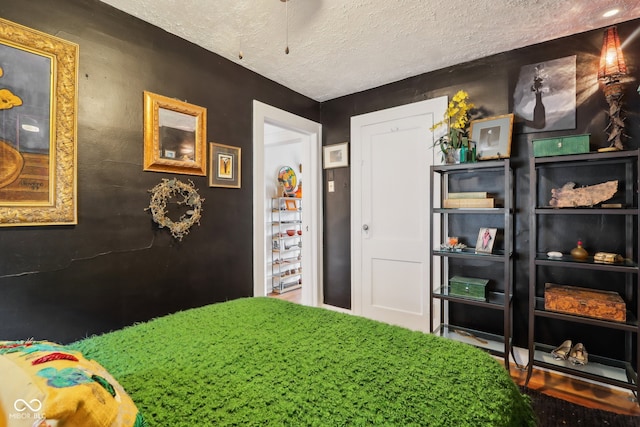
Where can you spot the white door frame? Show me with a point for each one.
(416, 108)
(311, 198)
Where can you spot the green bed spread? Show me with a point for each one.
(263, 361)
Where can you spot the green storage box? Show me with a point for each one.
(561, 145)
(468, 287)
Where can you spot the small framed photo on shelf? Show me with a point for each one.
(336, 156)
(486, 238)
(492, 137)
(291, 205)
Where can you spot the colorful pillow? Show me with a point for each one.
(45, 384)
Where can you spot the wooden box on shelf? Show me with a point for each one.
(468, 287)
(585, 302)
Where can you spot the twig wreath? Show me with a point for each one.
(164, 191)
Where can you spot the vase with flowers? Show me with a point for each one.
(455, 143)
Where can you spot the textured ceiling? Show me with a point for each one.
(339, 47)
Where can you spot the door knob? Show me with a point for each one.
(365, 227)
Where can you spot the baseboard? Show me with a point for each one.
(338, 309)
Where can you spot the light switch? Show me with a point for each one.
(332, 187)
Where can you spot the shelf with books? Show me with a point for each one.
(465, 200)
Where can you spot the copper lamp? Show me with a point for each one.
(612, 67)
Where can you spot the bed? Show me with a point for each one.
(263, 361)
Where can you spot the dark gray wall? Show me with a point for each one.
(490, 82)
(116, 267)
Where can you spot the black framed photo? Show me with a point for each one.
(224, 166)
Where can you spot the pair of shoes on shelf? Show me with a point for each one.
(576, 354)
(562, 351)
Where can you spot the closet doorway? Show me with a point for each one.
(282, 139)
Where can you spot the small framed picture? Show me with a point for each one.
(336, 156)
(492, 137)
(291, 205)
(486, 238)
(224, 165)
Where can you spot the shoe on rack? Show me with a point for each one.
(562, 352)
(578, 355)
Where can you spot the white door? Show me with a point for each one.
(391, 155)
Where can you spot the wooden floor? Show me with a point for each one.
(553, 384)
(291, 296)
(579, 392)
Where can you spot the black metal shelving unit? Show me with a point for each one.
(495, 176)
(622, 276)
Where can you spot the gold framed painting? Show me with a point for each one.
(38, 127)
(225, 164)
(493, 137)
(174, 136)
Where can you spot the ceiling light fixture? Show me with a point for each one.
(286, 2)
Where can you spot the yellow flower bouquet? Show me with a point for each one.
(457, 118)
